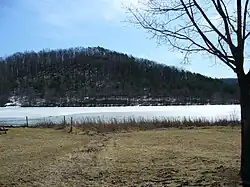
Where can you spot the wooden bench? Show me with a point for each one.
(3, 129)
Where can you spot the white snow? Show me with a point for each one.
(210, 112)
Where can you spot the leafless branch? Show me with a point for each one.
(209, 22)
(209, 44)
(245, 20)
(227, 17)
(246, 36)
(187, 26)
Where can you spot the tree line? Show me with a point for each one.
(99, 77)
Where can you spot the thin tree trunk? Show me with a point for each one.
(245, 129)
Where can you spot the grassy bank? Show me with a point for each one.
(131, 124)
(164, 157)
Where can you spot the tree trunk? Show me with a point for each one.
(245, 128)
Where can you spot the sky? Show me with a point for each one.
(27, 25)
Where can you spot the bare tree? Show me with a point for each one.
(216, 27)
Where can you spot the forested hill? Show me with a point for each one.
(100, 77)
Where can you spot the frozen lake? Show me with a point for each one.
(16, 116)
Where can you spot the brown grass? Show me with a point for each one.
(165, 157)
(141, 124)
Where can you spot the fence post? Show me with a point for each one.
(27, 121)
(71, 125)
(64, 120)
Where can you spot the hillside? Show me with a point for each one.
(100, 77)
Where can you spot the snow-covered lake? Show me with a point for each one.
(16, 116)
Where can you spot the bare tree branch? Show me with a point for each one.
(187, 26)
(245, 21)
(209, 22)
(225, 20)
(207, 41)
(239, 25)
(227, 17)
(246, 36)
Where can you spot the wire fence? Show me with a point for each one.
(19, 122)
(27, 121)
(32, 116)
(102, 119)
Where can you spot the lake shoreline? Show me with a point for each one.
(35, 115)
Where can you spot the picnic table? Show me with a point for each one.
(3, 129)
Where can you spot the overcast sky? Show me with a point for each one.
(39, 24)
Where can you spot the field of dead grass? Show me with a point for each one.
(164, 157)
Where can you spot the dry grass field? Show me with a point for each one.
(164, 157)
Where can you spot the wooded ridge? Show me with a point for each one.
(101, 77)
